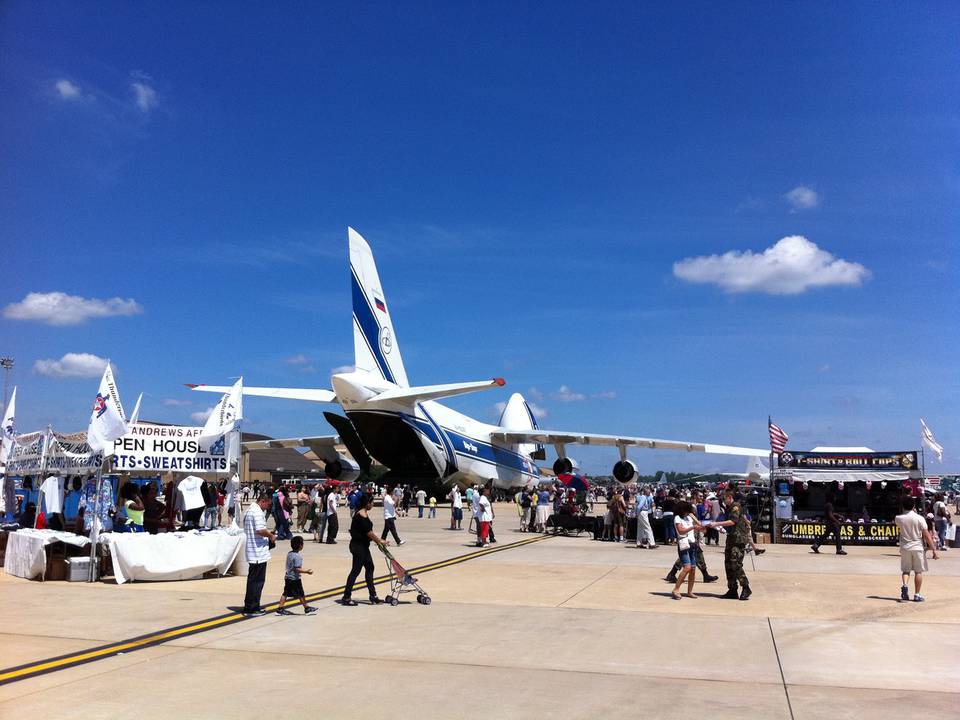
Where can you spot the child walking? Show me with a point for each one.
(433, 507)
(292, 585)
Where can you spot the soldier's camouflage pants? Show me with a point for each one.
(733, 566)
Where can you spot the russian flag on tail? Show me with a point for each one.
(379, 303)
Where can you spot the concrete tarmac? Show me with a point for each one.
(564, 626)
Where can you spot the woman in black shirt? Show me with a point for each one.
(361, 533)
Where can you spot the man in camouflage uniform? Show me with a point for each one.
(738, 536)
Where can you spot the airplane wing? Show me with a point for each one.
(566, 438)
(314, 394)
(432, 392)
(323, 446)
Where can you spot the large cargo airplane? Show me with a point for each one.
(407, 430)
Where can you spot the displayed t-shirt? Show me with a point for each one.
(785, 507)
(294, 563)
(51, 495)
(684, 527)
(189, 495)
(71, 504)
(911, 530)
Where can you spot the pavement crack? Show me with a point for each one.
(587, 586)
(783, 678)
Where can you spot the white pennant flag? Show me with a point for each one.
(226, 414)
(135, 415)
(930, 441)
(9, 428)
(107, 421)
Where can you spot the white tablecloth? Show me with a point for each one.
(25, 555)
(171, 556)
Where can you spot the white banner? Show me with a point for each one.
(170, 448)
(66, 454)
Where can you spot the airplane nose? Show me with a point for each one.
(349, 391)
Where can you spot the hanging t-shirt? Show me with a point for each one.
(51, 495)
(189, 494)
(785, 507)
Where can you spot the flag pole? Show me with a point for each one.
(773, 495)
(43, 471)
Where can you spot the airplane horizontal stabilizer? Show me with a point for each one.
(323, 446)
(414, 395)
(311, 394)
(566, 438)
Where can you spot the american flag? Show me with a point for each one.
(778, 438)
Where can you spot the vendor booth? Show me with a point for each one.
(865, 488)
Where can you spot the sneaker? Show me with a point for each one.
(309, 610)
(402, 542)
(349, 602)
(730, 595)
(283, 611)
(841, 552)
(918, 598)
(904, 593)
(671, 578)
(759, 551)
(711, 578)
(815, 549)
(746, 592)
(255, 613)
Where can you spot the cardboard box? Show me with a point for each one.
(763, 538)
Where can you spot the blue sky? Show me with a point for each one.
(543, 187)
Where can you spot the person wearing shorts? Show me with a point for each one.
(913, 534)
(292, 585)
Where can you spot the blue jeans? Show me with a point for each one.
(669, 530)
(433, 512)
(942, 531)
(210, 513)
(420, 509)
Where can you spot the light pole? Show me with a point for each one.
(7, 364)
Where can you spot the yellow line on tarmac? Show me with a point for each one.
(62, 662)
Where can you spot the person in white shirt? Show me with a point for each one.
(421, 501)
(685, 522)
(475, 512)
(484, 517)
(913, 533)
(333, 523)
(257, 552)
(456, 508)
(390, 519)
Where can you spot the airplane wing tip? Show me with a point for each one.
(192, 386)
(499, 381)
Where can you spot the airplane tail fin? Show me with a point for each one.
(517, 415)
(374, 342)
(755, 466)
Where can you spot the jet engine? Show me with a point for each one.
(625, 471)
(565, 466)
(341, 469)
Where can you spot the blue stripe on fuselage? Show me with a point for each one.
(368, 325)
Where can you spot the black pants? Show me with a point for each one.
(390, 526)
(256, 574)
(333, 527)
(835, 529)
(361, 559)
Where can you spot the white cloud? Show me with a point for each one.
(57, 308)
(342, 369)
(565, 394)
(298, 359)
(72, 365)
(605, 395)
(791, 266)
(535, 394)
(67, 90)
(200, 417)
(500, 407)
(825, 368)
(802, 198)
(144, 96)
(538, 411)
(176, 403)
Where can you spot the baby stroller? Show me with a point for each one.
(401, 581)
